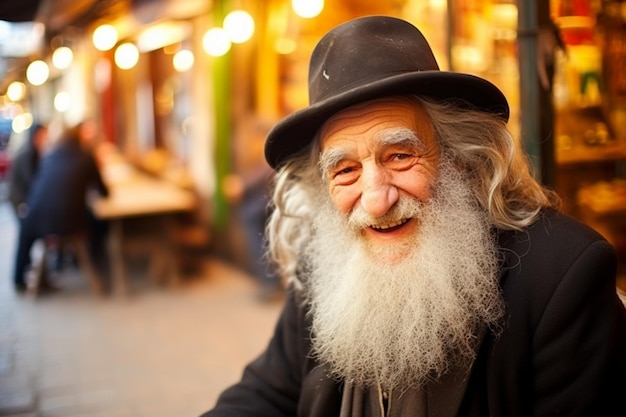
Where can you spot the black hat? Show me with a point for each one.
(367, 58)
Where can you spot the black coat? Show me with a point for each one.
(57, 200)
(562, 350)
(23, 170)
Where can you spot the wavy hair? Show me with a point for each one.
(478, 142)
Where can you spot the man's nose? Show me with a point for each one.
(378, 192)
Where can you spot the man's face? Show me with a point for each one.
(374, 154)
(402, 266)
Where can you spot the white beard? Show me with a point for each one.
(402, 323)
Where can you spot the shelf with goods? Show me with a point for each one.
(589, 96)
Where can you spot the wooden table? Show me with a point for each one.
(136, 195)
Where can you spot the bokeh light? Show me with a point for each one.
(16, 91)
(62, 57)
(307, 8)
(62, 101)
(37, 72)
(183, 60)
(104, 37)
(239, 25)
(216, 42)
(126, 56)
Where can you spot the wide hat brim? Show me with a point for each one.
(296, 131)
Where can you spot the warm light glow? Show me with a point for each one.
(126, 56)
(285, 46)
(62, 57)
(505, 19)
(37, 72)
(161, 35)
(183, 60)
(470, 57)
(216, 42)
(239, 25)
(438, 4)
(62, 101)
(22, 122)
(15, 110)
(104, 37)
(307, 8)
(16, 91)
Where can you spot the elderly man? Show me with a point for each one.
(430, 274)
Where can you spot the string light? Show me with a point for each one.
(104, 37)
(62, 57)
(216, 42)
(239, 25)
(307, 8)
(126, 56)
(183, 60)
(37, 72)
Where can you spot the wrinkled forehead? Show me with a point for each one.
(381, 122)
(399, 109)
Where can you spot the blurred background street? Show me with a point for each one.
(160, 351)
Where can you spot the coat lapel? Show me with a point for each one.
(445, 396)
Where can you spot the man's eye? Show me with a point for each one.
(401, 156)
(344, 171)
(344, 175)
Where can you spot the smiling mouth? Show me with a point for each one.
(391, 226)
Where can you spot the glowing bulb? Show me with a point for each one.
(16, 91)
(62, 57)
(21, 122)
(216, 42)
(183, 60)
(62, 101)
(307, 8)
(126, 56)
(37, 72)
(239, 25)
(104, 37)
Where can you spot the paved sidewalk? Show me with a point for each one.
(159, 352)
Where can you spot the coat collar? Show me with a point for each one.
(441, 398)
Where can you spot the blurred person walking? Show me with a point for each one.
(57, 200)
(24, 167)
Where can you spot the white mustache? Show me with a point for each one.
(406, 208)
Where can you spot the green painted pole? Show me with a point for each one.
(223, 157)
(529, 87)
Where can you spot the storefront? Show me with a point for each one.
(577, 72)
(589, 96)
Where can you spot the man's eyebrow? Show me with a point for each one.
(329, 159)
(401, 136)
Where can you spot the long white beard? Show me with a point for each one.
(401, 323)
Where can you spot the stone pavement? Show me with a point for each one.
(159, 352)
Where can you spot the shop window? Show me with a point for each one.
(590, 114)
(483, 41)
